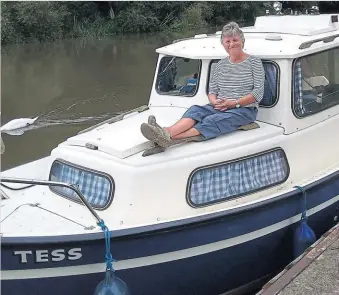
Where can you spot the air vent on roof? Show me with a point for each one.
(273, 37)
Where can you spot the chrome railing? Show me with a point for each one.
(53, 183)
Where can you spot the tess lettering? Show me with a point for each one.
(46, 256)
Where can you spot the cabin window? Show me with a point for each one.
(225, 181)
(271, 82)
(178, 76)
(96, 187)
(316, 82)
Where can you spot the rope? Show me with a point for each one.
(17, 188)
(303, 208)
(108, 256)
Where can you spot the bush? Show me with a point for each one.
(134, 21)
(191, 18)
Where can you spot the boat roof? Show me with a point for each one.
(286, 36)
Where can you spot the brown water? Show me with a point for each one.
(71, 85)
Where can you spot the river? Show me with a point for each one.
(71, 85)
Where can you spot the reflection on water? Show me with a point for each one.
(70, 85)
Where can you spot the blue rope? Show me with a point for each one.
(303, 208)
(108, 255)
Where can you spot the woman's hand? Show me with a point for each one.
(217, 102)
(224, 104)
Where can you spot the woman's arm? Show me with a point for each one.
(213, 86)
(258, 73)
(232, 103)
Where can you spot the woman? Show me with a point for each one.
(235, 90)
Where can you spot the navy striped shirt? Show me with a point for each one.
(235, 80)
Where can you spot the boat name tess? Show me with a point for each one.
(55, 255)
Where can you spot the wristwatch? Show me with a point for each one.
(238, 105)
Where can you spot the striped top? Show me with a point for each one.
(235, 80)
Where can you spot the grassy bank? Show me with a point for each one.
(47, 21)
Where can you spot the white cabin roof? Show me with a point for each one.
(292, 30)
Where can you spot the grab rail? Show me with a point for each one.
(116, 118)
(308, 44)
(54, 183)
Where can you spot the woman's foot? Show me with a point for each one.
(153, 121)
(156, 134)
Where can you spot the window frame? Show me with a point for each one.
(293, 85)
(178, 95)
(222, 200)
(276, 65)
(107, 176)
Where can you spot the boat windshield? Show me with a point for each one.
(178, 76)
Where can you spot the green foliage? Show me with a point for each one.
(192, 17)
(25, 21)
(8, 30)
(40, 20)
(136, 19)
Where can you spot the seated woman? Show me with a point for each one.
(235, 90)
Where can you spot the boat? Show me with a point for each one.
(200, 218)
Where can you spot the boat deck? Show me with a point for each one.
(314, 272)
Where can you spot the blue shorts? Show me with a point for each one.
(212, 123)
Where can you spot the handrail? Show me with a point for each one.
(116, 118)
(197, 37)
(54, 183)
(308, 44)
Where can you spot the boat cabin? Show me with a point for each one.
(300, 55)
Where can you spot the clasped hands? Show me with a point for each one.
(224, 104)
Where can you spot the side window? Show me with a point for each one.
(316, 82)
(229, 180)
(178, 76)
(271, 82)
(97, 188)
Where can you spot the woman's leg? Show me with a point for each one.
(163, 136)
(225, 122)
(183, 128)
(188, 133)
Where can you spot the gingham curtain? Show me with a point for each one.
(96, 188)
(270, 90)
(239, 178)
(298, 90)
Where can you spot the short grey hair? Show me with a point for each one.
(232, 29)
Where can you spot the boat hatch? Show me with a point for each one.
(120, 139)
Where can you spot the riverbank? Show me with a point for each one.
(314, 272)
(25, 22)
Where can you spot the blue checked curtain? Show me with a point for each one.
(270, 85)
(239, 178)
(96, 188)
(298, 89)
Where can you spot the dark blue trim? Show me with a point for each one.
(146, 230)
(211, 273)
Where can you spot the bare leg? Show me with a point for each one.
(188, 133)
(181, 126)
